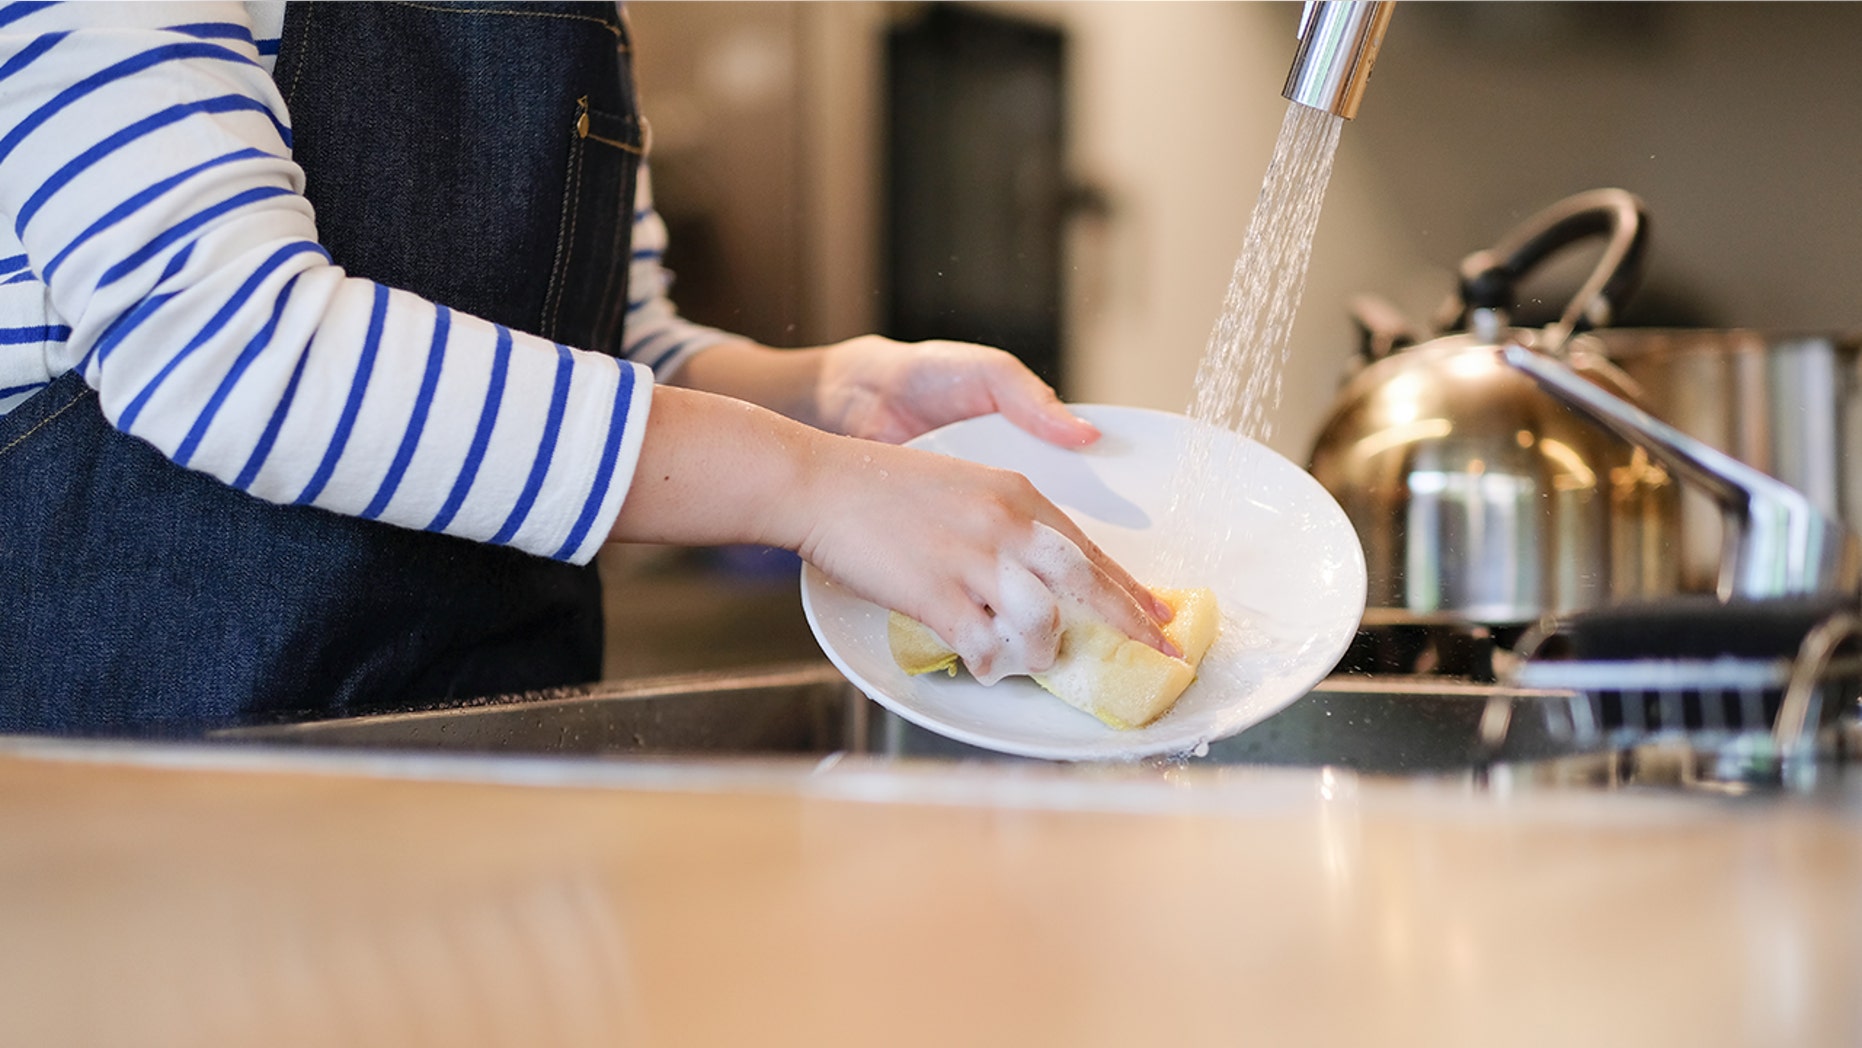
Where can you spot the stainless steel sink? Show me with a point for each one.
(1374, 724)
(794, 708)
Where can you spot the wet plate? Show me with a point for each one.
(1284, 562)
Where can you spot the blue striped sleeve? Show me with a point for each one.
(142, 199)
(481, 437)
(263, 449)
(30, 53)
(24, 336)
(13, 391)
(358, 387)
(604, 472)
(260, 341)
(546, 447)
(11, 13)
(417, 421)
(187, 226)
(634, 347)
(140, 129)
(212, 31)
(126, 68)
(126, 323)
(122, 327)
(213, 325)
(670, 353)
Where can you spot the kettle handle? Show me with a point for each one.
(1488, 278)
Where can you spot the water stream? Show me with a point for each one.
(1239, 380)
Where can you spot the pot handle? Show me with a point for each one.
(1488, 278)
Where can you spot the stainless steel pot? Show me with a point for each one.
(1786, 403)
(1480, 497)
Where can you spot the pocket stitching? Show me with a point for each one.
(47, 420)
(297, 75)
(639, 120)
(565, 236)
(613, 30)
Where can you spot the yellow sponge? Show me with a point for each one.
(916, 649)
(1123, 682)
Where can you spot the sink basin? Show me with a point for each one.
(1373, 724)
(799, 708)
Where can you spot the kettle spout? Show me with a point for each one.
(1338, 43)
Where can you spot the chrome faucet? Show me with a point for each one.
(1778, 543)
(1338, 42)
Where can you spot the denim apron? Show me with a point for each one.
(483, 156)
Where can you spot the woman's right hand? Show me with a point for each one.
(975, 553)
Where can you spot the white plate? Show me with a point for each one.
(1284, 562)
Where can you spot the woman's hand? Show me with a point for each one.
(879, 389)
(975, 553)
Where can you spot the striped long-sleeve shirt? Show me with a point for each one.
(156, 238)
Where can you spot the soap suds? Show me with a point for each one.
(1040, 590)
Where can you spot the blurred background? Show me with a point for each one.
(1072, 181)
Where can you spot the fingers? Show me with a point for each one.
(1017, 632)
(1071, 564)
(976, 553)
(884, 390)
(1032, 405)
(1006, 615)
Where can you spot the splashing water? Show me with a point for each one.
(1238, 382)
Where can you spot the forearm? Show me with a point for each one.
(786, 381)
(714, 470)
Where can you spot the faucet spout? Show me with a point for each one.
(1338, 43)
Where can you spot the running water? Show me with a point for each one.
(1238, 382)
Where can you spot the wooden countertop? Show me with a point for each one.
(156, 897)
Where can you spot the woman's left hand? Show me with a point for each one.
(879, 389)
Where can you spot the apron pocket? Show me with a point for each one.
(587, 303)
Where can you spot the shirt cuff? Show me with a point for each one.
(607, 485)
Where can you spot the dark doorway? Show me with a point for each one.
(975, 184)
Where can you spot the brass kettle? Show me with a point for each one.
(1480, 496)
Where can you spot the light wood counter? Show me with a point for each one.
(156, 897)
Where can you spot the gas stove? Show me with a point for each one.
(1692, 693)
